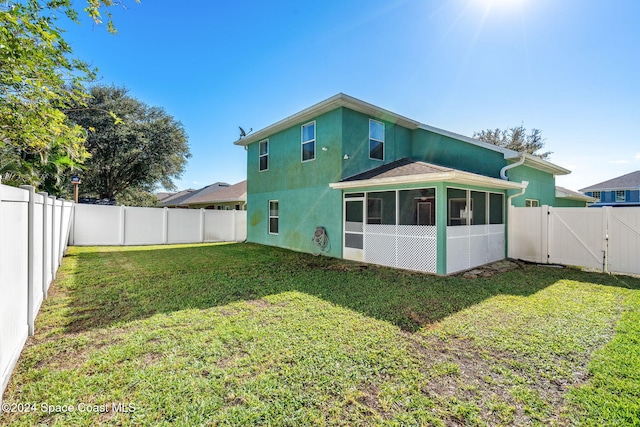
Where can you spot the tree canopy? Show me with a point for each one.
(515, 138)
(39, 81)
(143, 149)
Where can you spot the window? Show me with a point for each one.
(620, 196)
(381, 208)
(466, 207)
(376, 140)
(264, 155)
(457, 207)
(374, 211)
(308, 141)
(417, 207)
(596, 195)
(532, 203)
(274, 216)
(496, 208)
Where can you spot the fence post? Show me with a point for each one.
(165, 225)
(72, 225)
(54, 267)
(234, 226)
(546, 214)
(30, 255)
(201, 225)
(607, 224)
(45, 248)
(122, 229)
(61, 242)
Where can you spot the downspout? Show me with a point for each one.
(525, 184)
(503, 171)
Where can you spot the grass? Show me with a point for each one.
(242, 334)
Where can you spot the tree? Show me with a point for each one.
(38, 81)
(143, 149)
(516, 139)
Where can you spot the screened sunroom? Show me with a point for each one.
(417, 216)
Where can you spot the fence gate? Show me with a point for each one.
(624, 240)
(606, 239)
(577, 236)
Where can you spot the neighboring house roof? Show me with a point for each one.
(342, 100)
(176, 198)
(163, 195)
(630, 180)
(233, 193)
(409, 171)
(565, 193)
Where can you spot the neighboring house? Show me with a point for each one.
(177, 200)
(621, 191)
(172, 200)
(387, 189)
(163, 195)
(232, 197)
(566, 198)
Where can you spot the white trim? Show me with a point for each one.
(303, 142)
(456, 177)
(260, 156)
(533, 203)
(336, 101)
(377, 140)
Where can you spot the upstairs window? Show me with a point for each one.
(596, 195)
(309, 141)
(264, 155)
(620, 196)
(376, 140)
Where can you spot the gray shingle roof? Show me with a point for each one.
(630, 180)
(402, 167)
(232, 193)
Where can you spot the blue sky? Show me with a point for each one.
(570, 68)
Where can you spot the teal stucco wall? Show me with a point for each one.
(442, 150)
(542, 186)
(355, 133)
(301, 188)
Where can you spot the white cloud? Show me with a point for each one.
(637, 156)
(619, 162)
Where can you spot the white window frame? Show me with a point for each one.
(623, 198)
(273, 216)
(597, 195)
(377, 140)
(311, 141)
(532, 203)
(260, 156)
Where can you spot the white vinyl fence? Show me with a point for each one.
(35, 229)
(124, 225)
(33, 238)
(606, 239)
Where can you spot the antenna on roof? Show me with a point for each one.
(243, 133)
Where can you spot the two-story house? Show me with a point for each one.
(386, 189)
(621, 191)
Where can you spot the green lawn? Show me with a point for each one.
(241, 334)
